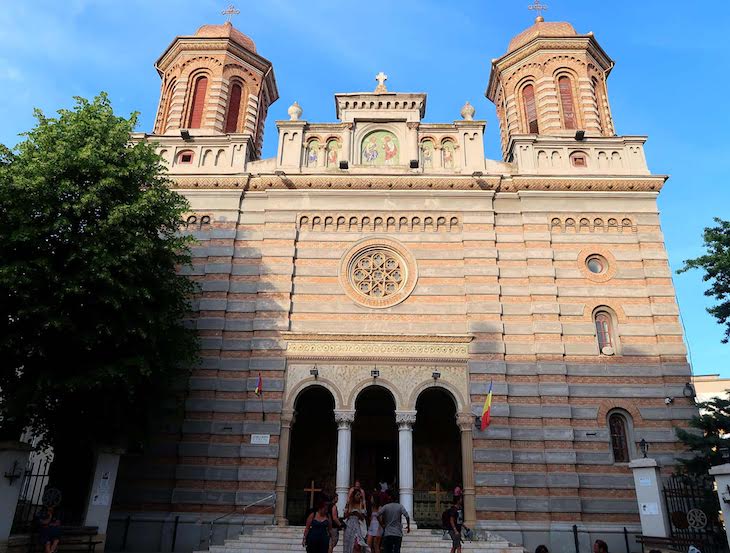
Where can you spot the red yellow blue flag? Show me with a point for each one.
(486, 411)
(259, 386)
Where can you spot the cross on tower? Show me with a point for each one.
(381, 78)
(231, 10)
(539, 8)
(438, 492)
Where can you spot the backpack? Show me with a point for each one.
(446, 519)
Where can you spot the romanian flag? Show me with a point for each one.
(259, 386)
(486, 411)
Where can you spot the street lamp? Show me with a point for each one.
(689, 391)
(644, 447)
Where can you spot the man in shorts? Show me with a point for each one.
(454, 527)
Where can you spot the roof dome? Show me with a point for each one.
(227, 31)
(542, 28)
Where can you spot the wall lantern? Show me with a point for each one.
(644, 447)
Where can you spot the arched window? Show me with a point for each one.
(165, 113)
(604, 332)
(530, 107)
(565, 87)
(600, 102)
(619, 430)
(198, 103)
(234, 108)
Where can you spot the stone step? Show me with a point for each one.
(281, 539)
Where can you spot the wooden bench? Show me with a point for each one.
(674, 544)
(73, 539)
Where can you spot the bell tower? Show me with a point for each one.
(214, 83)
(551, 82)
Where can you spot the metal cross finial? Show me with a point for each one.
(538, 7)
(381, 78)
(231, 10)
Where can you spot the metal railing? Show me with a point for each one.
(243, 520)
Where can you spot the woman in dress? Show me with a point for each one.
(355, 525)
(375, 531)
(317, 531)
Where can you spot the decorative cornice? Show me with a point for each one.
(377, 350)
(493, 183)
(408, 338)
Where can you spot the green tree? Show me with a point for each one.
(708, 437)
(92, 333)
(716, 265)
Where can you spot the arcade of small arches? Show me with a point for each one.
(417, 438)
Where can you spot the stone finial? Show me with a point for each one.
(381, 78)
(295, 111)
(467, 112)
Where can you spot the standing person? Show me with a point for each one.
(454, 527)
(49, 529)
(317, 531)
(375, 531)
(600, 546)
(355, 523)
(389, 517)
(336, 523)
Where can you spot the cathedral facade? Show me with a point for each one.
(361, 292)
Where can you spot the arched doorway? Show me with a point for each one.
(375, 439)
(313, 451)
(436, 455)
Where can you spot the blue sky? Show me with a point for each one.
(671, 80)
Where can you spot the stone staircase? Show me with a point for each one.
(280, 539)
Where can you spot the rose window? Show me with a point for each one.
(377, 273)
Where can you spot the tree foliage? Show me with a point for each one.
(716, 265)
(92, 329)
(708, 437)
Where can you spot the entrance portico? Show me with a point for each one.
(404, 380)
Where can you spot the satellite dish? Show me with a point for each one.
(607, 350)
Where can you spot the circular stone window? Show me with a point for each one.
(378, 273)
(597, 264)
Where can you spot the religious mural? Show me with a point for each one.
(448, 154)
(427, 150)
(312, 153)
(380, 148)
(333, 152)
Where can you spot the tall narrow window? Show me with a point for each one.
(566, 100)
(165, 113)
(198, 103)
(619, 438)
(604, 332)
(528, 100)
(234, 107)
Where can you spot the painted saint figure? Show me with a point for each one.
(333, 153)
(370, 150)
(391, 151)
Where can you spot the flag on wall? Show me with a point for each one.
(259, 386)
(487, 410)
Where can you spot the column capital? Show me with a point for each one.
(344, 418)
(288, 416)
(465, 421)
(405, 419)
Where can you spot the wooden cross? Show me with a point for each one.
(231, 10)
(538, 7)
(437, 492)
(312, 490)
(381, 78)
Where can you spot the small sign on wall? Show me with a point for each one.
(644, 481)
(260, 439)
(649, 509)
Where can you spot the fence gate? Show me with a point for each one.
(693, 510)
(32, 488)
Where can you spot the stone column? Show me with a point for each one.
(652, 509)
(282, 467)
(346, 153)
(466, 425)
(722, 479)
(99, 503)
(412, 137)
(344, 420)
(405, 421)
(13, 462)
